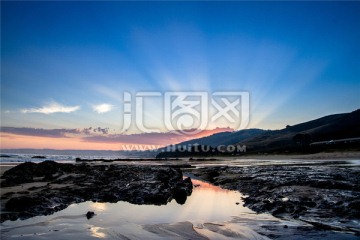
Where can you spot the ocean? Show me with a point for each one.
(39, 155)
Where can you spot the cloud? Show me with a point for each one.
(53, 107)
(101, 130)
(143, 138)
(55, 133)
(103, 108)
(91, 130)
(40, 132)
(101, 135)
(162, 138)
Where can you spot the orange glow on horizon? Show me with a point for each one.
(14, 141)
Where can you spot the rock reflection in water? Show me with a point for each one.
(209, 213)
(206, 203)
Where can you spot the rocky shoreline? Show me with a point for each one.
(328, 197)
(324, 194)
(64, 184)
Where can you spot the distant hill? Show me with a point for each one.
(296, 138)
(332, 127)
(223, 138)
(212, 141)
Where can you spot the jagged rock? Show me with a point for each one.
(292, 191)
(134, 184)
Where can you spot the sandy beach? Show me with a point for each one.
(6, 166)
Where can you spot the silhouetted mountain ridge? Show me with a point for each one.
(223, 138)
(331, 127)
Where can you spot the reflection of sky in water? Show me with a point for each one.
(96, 232)
(206, 204)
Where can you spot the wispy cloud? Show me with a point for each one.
(102, 108)
(52, 107)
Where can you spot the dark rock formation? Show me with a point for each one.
(75, 183)
(90, 214)
(306, 192)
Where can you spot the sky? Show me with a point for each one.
(66, 68)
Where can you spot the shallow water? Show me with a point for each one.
(15, 158)
(209, 213)
(208, 203)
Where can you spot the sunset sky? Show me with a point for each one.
(66, 65)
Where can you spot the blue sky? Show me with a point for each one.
(298, 60)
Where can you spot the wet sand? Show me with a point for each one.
(6, 166)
